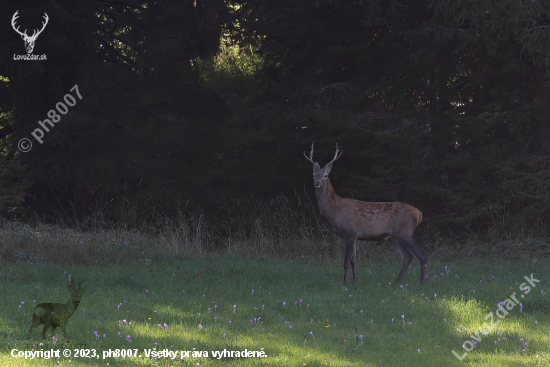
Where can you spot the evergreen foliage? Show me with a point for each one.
(142, 118)
(440, 104)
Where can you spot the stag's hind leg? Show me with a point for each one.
(422, 256)
(405, 256)
(350, 259)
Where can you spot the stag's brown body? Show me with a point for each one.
(367, 221)
(56, 314)
(355, 220)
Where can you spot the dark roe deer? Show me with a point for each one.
(56, 314)
(358, 220)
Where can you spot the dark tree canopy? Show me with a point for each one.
(441, 104)
(142, 118)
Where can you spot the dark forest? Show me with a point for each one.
(206, 107)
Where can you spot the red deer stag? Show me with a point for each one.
(358, 220)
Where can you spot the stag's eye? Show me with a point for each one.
(326, 175)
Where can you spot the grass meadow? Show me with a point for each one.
(272, 283)
(297, 311)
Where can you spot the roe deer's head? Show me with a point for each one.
(320, 175)
(76, 293)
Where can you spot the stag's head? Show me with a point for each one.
(320, 175)
(76, 293)
(29, 40)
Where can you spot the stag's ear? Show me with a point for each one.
(327, 168)
(316, 166)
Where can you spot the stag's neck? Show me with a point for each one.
(327, 200)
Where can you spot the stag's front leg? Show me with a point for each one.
(353, 261)
(406, 257)
(350, 242)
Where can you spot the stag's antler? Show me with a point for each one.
(310, 154)
(336, 155)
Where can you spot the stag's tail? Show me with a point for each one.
(419, 218)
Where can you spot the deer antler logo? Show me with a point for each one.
(29, 40)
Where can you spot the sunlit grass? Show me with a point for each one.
(297, 311)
